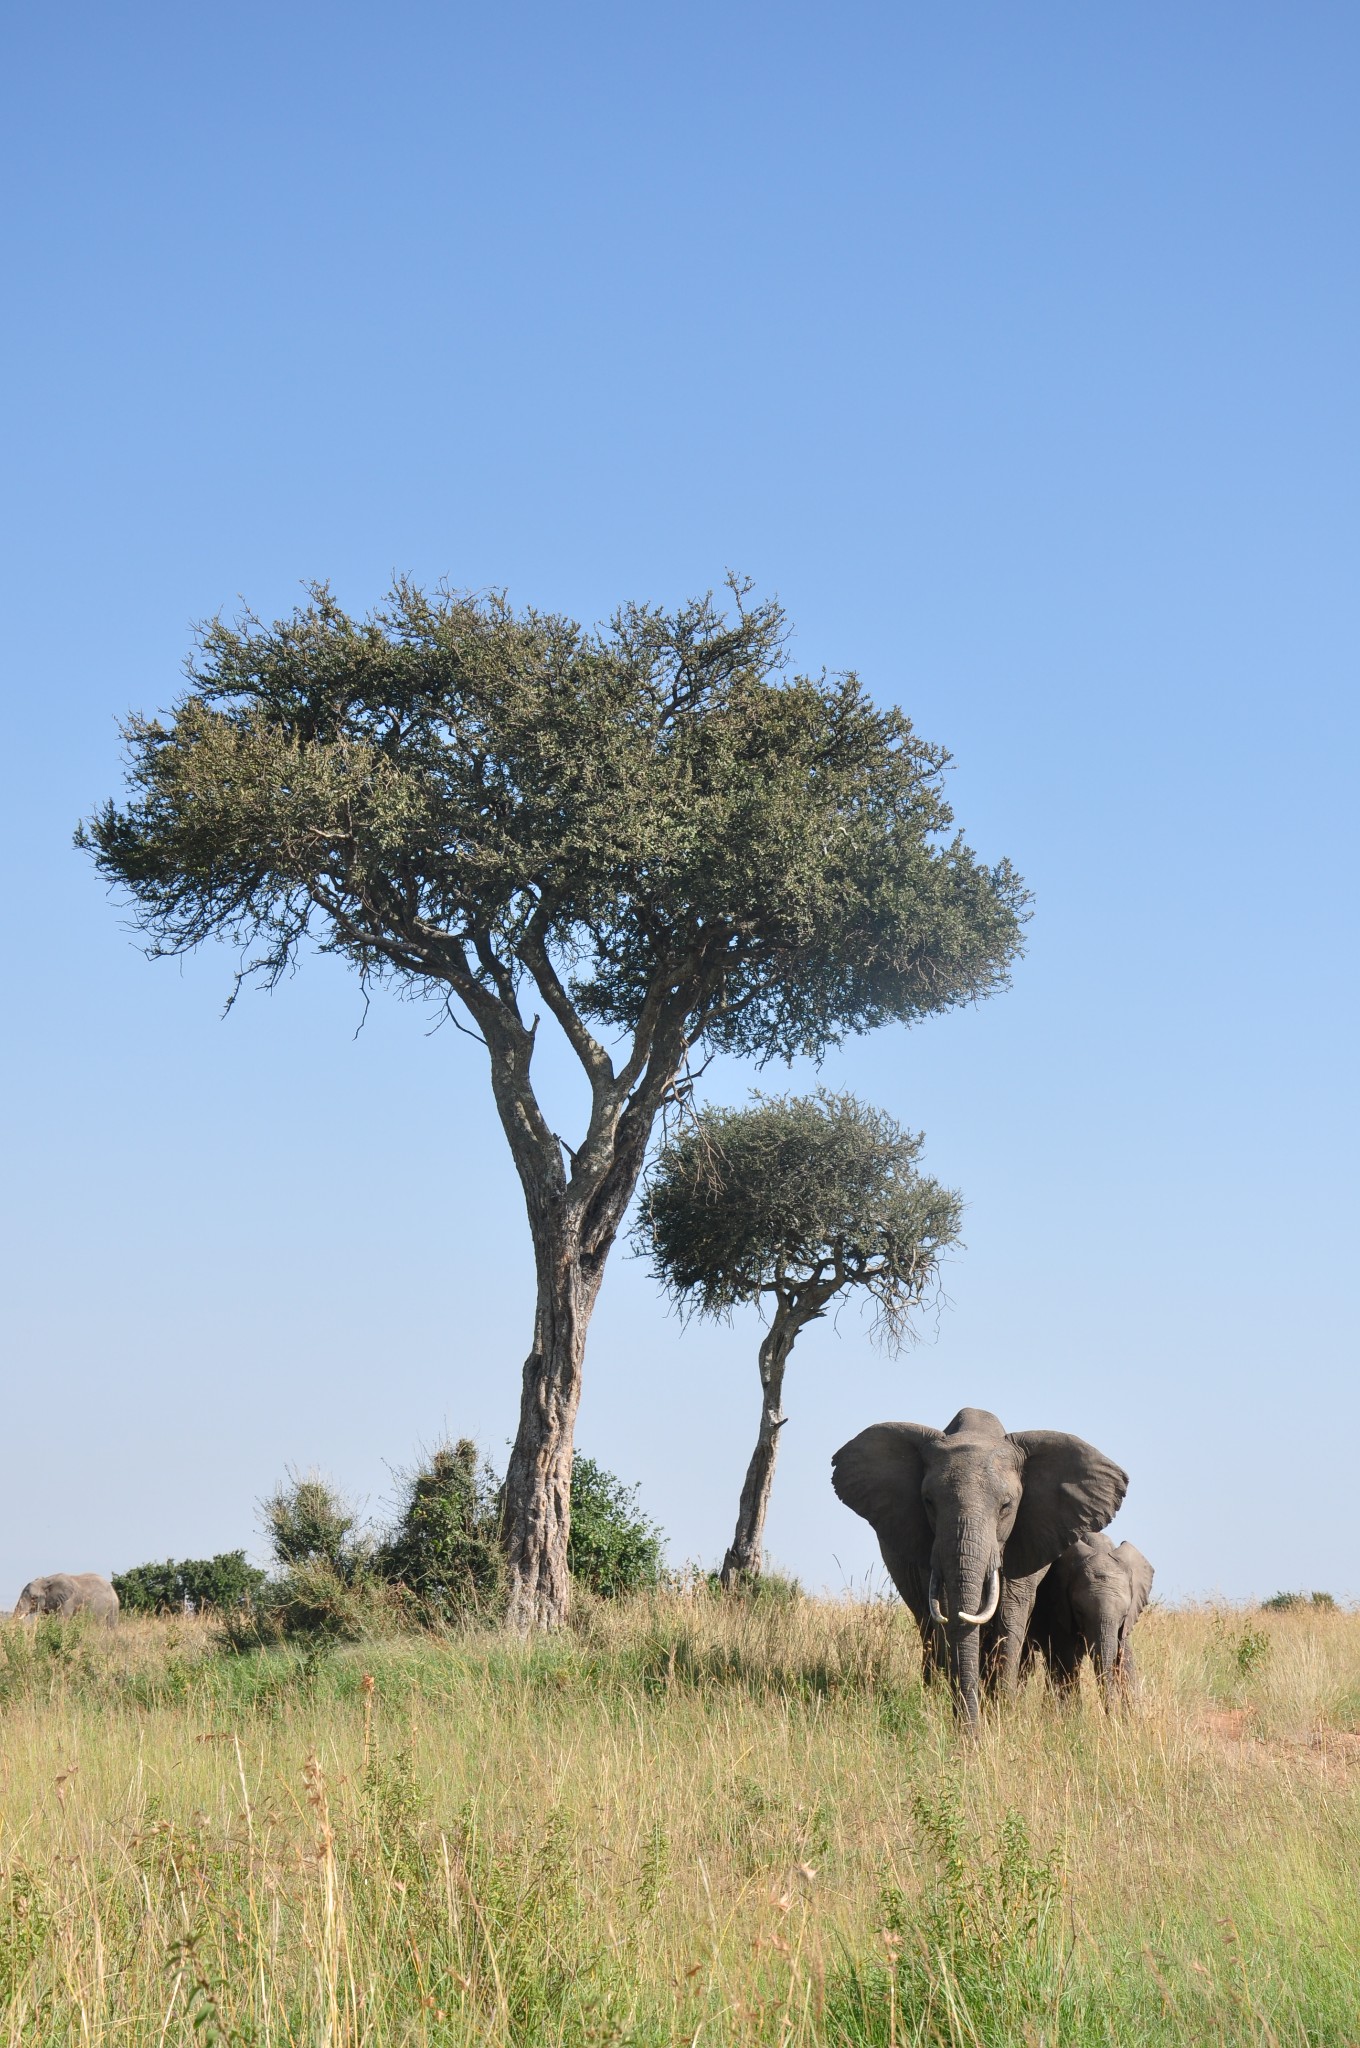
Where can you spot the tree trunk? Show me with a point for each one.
(743, 1559)
(536, 1516)
(573, 1220)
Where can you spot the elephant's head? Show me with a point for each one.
(957, 1508)
(43, 1596)
(1106, 1589)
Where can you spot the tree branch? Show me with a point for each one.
(588, 1050)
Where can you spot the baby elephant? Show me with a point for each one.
(68, 1593)
(1086, 1605)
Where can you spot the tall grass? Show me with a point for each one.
(685, 1821)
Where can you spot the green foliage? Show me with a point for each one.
(800, 1197)
(453, 791)
(978, 1957)
(613, 1547)
(762, 1589)
(1280, 1603)
(222, 1583)
(993, 1917)
(444, 1545)
(440, 1561)
(650, 827)
(1251, 1651)
(308, 1523)
(326, 1590)
(313, 1604)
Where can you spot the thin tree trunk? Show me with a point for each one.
(744, 1556)
(536, 1516)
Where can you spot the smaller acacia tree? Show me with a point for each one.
(795, 1200)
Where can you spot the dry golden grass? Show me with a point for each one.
(687, 1820)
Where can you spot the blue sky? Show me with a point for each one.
(1015, 349)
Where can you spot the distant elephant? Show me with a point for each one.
(1087, 1605)
(971, 1517)
(67, 1593)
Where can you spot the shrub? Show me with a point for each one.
(1281, 1602)
(613, 1547)
(1251, 1650)
(440, 1562)
(326, 1590)
(444, 1547)
(223, 1584)
(149, 1588)
(308, 1523)
(312, 1604)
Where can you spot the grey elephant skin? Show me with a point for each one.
(968, 1519)
(68, 1593)
(1086, 1607)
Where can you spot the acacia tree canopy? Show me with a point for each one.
(792, 1197)
(651, 830)
(799, 1198)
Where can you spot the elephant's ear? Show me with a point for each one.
(878, 1474)
(1068, 1489)
(1140, 1575)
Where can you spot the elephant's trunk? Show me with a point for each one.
(991, 1595)
(967, 1569)
(1107, 1660)
(964, 1664)
(971, 1574)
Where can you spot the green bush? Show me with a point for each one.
(326, 1589)
(1281, 1602)
(444, 1547)
(313, 1604)
(439, 1563)
(221, 1584)
(613, 1547)
(1251, 1650)
(309, 1523)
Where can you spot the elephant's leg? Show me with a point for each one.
(1006, 1632)
(1064, 1663)
(932, 1659)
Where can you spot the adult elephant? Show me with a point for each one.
(68, 1593)
(1087, 1605)
(968, 1519)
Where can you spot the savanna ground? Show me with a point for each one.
(683, 1821)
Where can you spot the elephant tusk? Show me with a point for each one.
(988, 1606)
(936, 1610)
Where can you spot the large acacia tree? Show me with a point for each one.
(790, 1204)
(651, 832)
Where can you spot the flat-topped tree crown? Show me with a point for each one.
(653, 831)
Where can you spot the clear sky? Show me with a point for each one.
(1015, 348)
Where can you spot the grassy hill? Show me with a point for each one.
(686, 1821)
